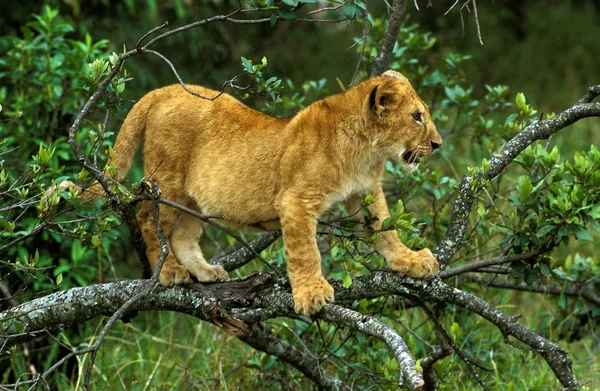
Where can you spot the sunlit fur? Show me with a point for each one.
(221, 157)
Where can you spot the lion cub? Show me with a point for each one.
(223, 158)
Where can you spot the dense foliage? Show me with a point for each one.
(548, 202)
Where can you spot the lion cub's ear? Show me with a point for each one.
(383, 98)
(397, 75)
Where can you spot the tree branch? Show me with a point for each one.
(240, 257)
(555, 356)
(469, 185)
(549, 289)
(261, 292)
(371, 326)
(438, 353)
(499, 260)
(383, 59)
(266, 342)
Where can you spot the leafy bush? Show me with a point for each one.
(44, 77)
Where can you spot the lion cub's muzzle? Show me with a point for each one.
(413, 155)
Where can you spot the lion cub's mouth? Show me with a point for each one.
(412, 157)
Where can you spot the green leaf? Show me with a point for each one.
(510, 119)
(287, 15)
(455, 330)
(418, 367)
(337, 253)
(347, 281)
(387, 223)
(291, 3)
(544, 230)
(368, 200)
(521, 102)
(525, 187)
(349, 9)
(582, 234)
(59, 279)
(96, 241)
(595, 212)
(247, 65)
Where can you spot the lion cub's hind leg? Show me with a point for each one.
(184, 242)
(172, 273)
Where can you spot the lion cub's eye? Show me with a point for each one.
(418, 116)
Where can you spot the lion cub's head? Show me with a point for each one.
(403, 126)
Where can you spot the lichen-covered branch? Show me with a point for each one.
(469, 185)
(260, 292)
(558, 360)
(410, 377)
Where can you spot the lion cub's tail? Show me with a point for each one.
(129, 138)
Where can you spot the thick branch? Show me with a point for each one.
(558, 360)
(260, 291)
(383, 59)
(66, 308)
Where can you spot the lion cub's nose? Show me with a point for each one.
(435, 145)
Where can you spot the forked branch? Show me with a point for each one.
(470, 185)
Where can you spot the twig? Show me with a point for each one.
(477, 20)
(468, 362)
(502, 259)
(185, 87)
(583, 292)
(305, 363)
(450, 9)
(155, 29)
(364, 44)
(244, 255)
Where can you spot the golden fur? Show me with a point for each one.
(223, 158)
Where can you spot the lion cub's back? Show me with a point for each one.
(223, 152)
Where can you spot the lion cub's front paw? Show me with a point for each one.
(312, 296)
(173, 273)
(417, 264)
